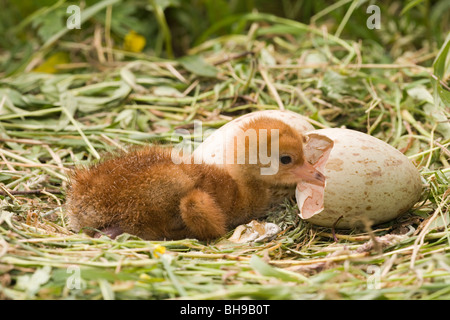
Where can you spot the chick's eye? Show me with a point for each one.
(285, 159)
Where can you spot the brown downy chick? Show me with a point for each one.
(145, 193)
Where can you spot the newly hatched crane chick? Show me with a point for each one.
(146, 193)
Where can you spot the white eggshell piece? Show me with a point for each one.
(367, 180)
(254, 232)
(213, 149)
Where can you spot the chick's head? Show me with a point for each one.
(271, 151)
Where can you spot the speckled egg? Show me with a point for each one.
(367, 180)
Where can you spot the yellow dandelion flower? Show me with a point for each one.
(49, 65)
(134, 42)
(158, 251)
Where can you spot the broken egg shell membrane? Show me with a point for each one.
(310, 197)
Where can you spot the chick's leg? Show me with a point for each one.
(202, 215)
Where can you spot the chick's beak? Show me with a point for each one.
(306, 172)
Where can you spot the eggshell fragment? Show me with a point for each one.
(367, 180)
(213, 149)
(254, 232)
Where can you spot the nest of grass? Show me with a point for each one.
(51, 122)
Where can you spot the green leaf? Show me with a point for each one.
(410, 5)
(439, 68)
(106, 289)
(438, 115)
(167, 3)
(123, 19)
(50, 23)
(166, 91)
(444, 95)
(32, 284)
(125, 117)
(71, 106)
(441, 221)
(266, 270)
(441, 58)
(420, 93)
(88, 104)
(198, 66)
(86, 14)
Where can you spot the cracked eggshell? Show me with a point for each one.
(366, 180)
(254, 232)
(213, 149)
